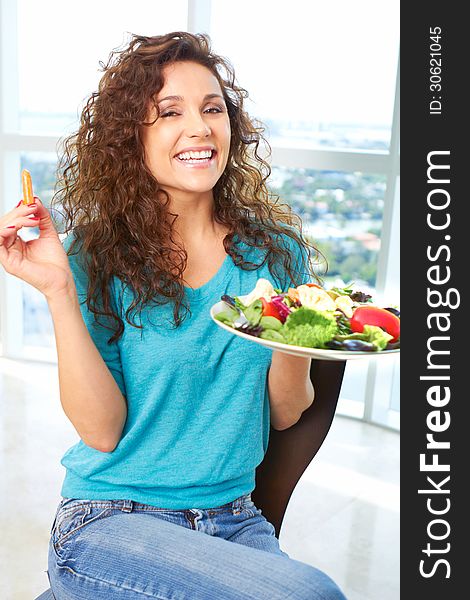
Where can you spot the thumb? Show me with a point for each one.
(45, 224)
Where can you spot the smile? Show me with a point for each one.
(191, 159)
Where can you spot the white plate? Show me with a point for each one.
(317, 353)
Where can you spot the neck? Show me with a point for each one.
(195, 224)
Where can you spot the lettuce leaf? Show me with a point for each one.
(374, 335)
(270, 323)
(254, 312)
(273, 335)
(227, 316)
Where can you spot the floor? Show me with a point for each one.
(343, 516)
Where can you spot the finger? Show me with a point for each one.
(8, 237)
(22, 203)
(45, 224)
(18, 223)
(9, 246)
(22, 209)
(7, 232)
(26, 209)
(3, 250)
(12, 242)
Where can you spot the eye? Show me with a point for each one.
(170, 113)
(214, 108)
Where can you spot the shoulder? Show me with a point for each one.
(292, 254)
(83, 273)
(284, 238)
(77, 260)
(293, 244)
(290, 242)
(72, 243)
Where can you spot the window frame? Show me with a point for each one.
(377, 395)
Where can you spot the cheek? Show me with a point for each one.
(228, 131)
(157, 149)
(224, 136)
(227, 134)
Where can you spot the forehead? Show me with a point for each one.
(188, 79)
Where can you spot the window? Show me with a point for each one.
(48, 70)
(58, 65)
(341, 215)
(322, 75)
(38, 330)
(322, 78)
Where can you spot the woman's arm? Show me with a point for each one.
(89, 395)
(290, 389)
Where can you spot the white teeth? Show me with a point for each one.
(194, 155)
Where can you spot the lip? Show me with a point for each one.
(195, 149)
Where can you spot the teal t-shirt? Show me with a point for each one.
(198, 408)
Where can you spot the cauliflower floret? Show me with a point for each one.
(263, 289)
(315, 298)
(345, 304)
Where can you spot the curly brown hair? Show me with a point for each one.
(111, 201)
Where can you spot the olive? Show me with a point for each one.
(394, 311)
(359, 346)
(334, 345)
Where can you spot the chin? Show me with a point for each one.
(198, 188)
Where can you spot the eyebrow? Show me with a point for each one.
(180, 98)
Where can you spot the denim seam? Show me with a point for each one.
(61, 518)
(60, 541)
(93, 503)
(50, 584)
(238, 503)
(111, 584)
(136, 507)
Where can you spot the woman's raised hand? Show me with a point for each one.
(42, 262)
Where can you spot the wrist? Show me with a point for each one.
(67, 296)
(290, 361)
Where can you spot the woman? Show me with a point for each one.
(165, 200)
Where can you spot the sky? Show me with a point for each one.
(329, 62)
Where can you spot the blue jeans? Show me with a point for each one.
(106, 549)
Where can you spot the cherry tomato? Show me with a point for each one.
(372, 315)
(270, 310)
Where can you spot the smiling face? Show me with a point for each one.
(187, 147)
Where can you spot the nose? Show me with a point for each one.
(196, 126)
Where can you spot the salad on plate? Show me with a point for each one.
(312, 317)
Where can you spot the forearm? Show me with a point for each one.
(290, 389)
(89, 395)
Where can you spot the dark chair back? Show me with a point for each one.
(291, 451)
